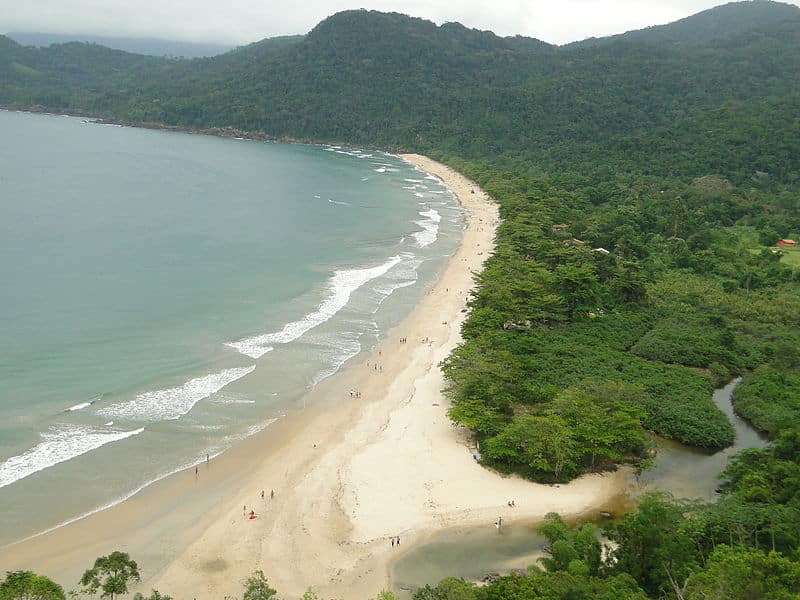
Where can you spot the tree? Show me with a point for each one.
(652, 545)
(451, 588)
(544, 447)
(745, 574)
(154, 595)
(25, 585)
(573, 549)
(579, 287)
(256, 587)
(111, 574)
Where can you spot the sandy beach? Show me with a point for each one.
(348, 473)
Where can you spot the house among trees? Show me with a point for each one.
(790, 243)
(574, 242)
(601, 250)
(560, 227)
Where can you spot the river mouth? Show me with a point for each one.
(693, 472)
(472, 553)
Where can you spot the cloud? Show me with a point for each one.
(244, 21)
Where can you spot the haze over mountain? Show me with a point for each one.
(146, 46)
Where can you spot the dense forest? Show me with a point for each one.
(643, 181)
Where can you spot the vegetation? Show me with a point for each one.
(24, 585)
(257, 587)
(110, 575)
(769, 397)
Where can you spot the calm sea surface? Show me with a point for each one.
(163, 295)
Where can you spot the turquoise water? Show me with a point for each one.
(164, 295)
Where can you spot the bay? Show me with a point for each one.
(163, 295)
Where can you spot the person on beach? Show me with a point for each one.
(271, 494)
(392, 542)
(195, 472)
(262, 494)
(398, 540)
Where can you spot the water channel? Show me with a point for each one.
(473, 552)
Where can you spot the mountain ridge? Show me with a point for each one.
(386, 79)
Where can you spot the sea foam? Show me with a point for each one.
(430, 228)
(58, 445)
(173, 403)
(343, 283)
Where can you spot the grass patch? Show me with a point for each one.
(791, 257)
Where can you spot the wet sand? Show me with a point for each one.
(348, 473)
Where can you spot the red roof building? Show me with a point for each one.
(785, 243)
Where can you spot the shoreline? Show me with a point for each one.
(348, 473)
(224, 131)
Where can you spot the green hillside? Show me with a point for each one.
(671, 155)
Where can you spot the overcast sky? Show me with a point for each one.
(244, 21)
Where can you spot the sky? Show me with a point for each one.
(243, 21)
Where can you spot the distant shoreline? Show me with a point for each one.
(223, 132)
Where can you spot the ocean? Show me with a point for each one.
(164, 295)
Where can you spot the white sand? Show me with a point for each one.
(348, 473)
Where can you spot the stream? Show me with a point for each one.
(473, 552)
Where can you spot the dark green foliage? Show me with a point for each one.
(154, 595)
(257, 587)
(536, 585)
(769, 398)
(572, 549)
(654, 544)
(560, 585)
(690, 343)
(450, 588)
(745, 574)
(24, 585)
(110, 575)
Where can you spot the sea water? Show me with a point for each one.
(164, 295)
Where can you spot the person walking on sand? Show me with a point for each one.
(262, 494)
(272, 494)
(392, 541)
(398, 540)
(195, 472)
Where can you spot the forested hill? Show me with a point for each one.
(387, 79)
(722, 21)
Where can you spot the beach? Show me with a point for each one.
(349, 473)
